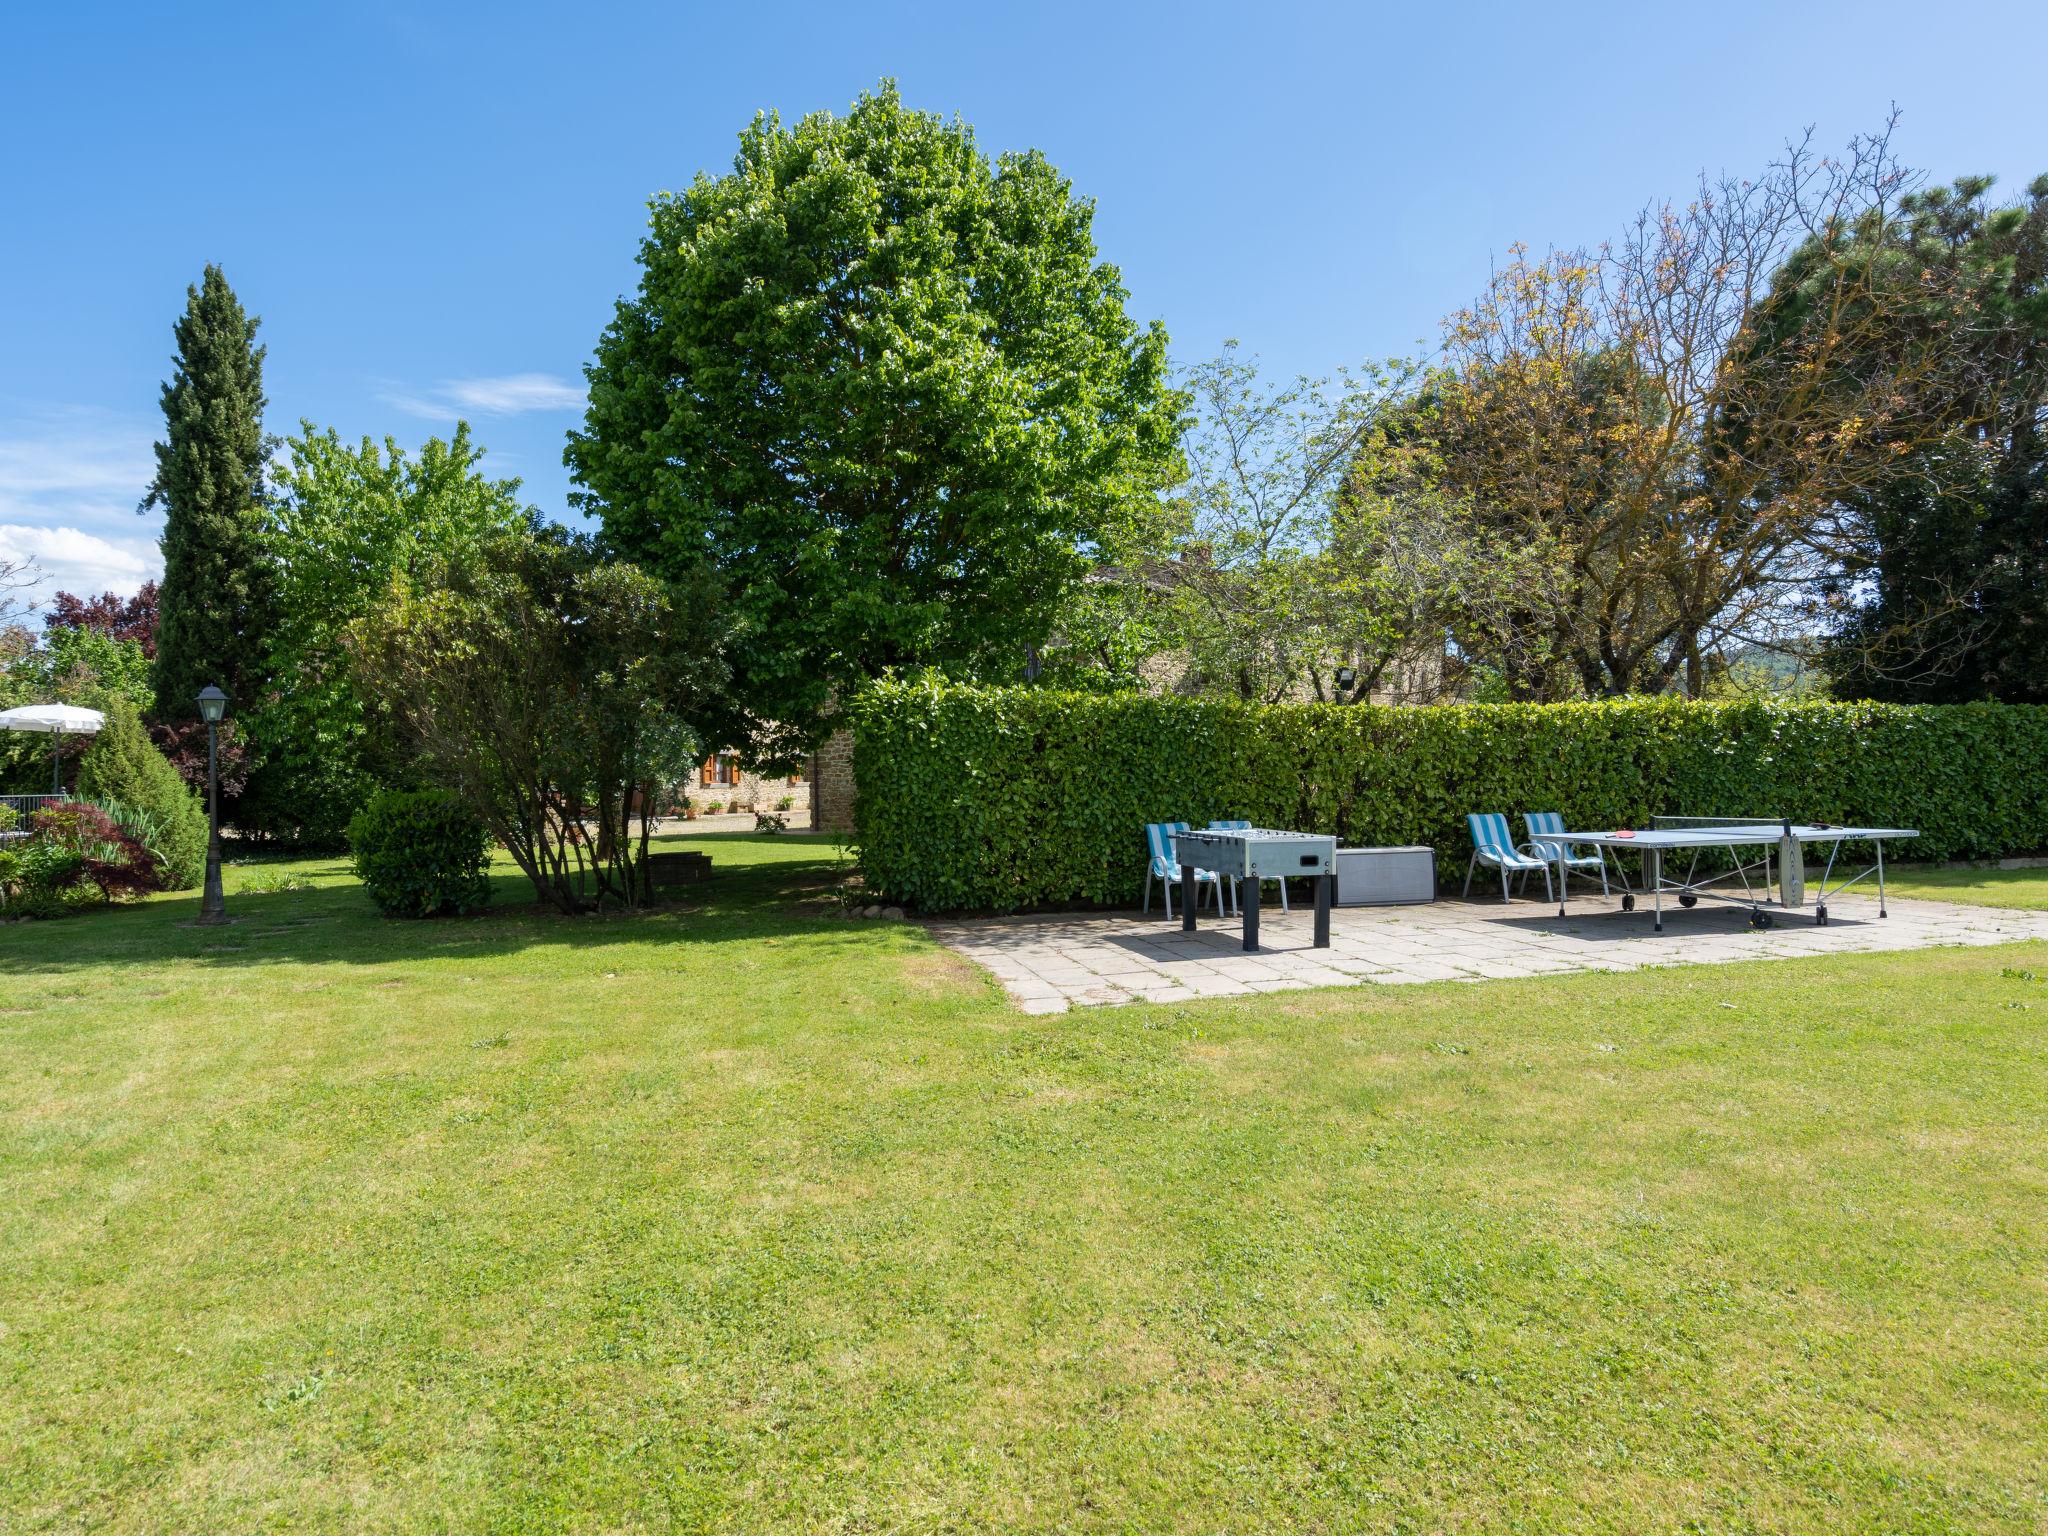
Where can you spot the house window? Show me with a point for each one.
(720, 768)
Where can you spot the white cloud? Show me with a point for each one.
(72, 560)
(511, 394)
(69, 482)
(73, 459)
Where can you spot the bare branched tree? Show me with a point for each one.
(1265, 606)
(18, 578)
(1645, 408)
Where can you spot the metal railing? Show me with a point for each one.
(25, 806)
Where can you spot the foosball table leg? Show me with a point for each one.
(1250, 902)
(1187, 898)
(1323, 910)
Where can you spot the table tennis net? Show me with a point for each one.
(1711, 823)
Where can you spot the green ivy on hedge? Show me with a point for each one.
(1008, 798)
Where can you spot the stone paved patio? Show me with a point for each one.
(1052, 963)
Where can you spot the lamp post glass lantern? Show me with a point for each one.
(213, 906)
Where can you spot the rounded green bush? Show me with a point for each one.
(421, 853)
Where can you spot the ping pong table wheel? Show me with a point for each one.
(1628, 901)
(1820, 917)
(1760, 920)
(1688, 900)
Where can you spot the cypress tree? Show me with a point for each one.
(217, 587)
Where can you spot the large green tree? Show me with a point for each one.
(882, 387)
(554, 691)
(1950, 599)
(217, 597)
(345, 519)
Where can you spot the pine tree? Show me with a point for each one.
(217, 586)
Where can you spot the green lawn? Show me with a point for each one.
(2026, 888)
(739, 1217)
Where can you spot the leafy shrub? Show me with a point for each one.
(77, 856)
(43, 865)
(1018, 797)
(309, 780)
(135, 821)
(123, 768)
(420, 852)
(551, 687)
(276, 882)
(75, 842)
(40, 902)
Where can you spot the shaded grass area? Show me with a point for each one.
(739, 1217)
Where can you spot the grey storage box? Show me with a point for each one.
(1384, 877)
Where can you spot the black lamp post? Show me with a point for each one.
(213, 906)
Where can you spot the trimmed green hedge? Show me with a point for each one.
(1007, 798)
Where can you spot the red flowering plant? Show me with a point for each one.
(100, 850)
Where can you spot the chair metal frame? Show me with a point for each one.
(1572, 863)
(1493, 844)
(1162, 863)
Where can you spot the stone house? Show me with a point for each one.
(723, 780)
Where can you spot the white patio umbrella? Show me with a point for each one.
(56, 721)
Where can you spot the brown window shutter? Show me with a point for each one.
(732, 770)
(704, 776)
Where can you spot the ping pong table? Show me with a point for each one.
(1749, 843)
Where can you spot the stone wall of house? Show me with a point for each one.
(1416, 678)
(831, 779)
(742, 789)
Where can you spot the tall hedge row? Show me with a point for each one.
(1005, 798)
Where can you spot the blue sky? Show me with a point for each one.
(433, 208)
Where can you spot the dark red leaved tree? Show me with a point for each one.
(121, 618)
(184, 743)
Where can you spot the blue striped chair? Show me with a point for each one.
(1163, 866)
(1236, 895)
(1575, 861)
(1494, 846)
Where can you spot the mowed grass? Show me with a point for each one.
(2023, 888)
(738, 1217)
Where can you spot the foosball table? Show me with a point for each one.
(1242, 857)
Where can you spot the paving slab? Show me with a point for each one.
(1057, 961)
